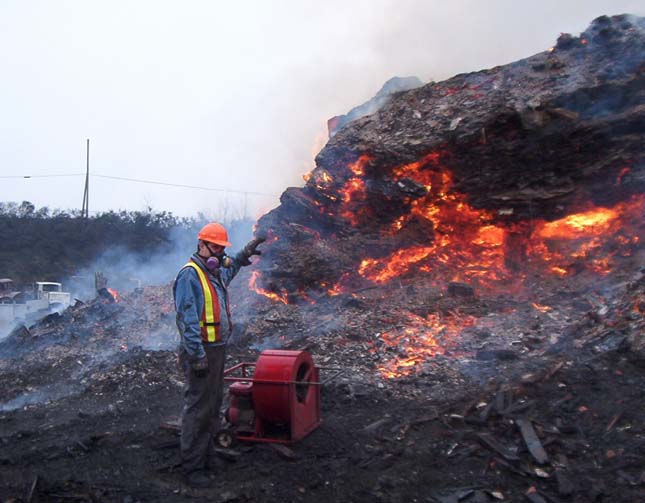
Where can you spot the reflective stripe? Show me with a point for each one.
(210, 314)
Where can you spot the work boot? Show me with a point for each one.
(198, 479)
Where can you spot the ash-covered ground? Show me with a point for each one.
(89, 399)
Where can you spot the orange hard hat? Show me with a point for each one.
(214, 233)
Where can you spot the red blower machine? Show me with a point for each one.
(276, 399)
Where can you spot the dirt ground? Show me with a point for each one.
(84, 403)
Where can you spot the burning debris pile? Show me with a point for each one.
(471, 254)
(505, 182)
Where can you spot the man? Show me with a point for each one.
(204, 323)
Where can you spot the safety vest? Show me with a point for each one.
(210, 318)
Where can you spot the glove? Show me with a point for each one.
(251, 249)
(200, 367)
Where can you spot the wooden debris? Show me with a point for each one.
(424, 419)
(553, 371)
(484, 414)
(493, 444)
(613, 421)
(564, 113)
(284, 451)
(372, 427)
(171, 444)
(172, 424)
(532, 441)
(518, 407)
(32, 489)
(565, 486)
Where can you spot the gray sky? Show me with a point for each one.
(228, 95)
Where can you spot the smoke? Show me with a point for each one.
(47, 393)
(189, 110)
(126, 270)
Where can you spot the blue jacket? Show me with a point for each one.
(189, 303)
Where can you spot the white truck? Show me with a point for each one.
(46, 297)
(53, 294)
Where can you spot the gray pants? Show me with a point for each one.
(200, 414)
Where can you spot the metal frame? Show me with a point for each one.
(245, 377)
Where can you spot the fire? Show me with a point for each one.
(592, 238)
(382, 271)
(469, 245)
(114, 293)
(589, 223)
(278, 297)
(541, 308)
(421, 339)
(354, 190)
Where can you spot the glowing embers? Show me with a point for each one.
(464, 246)
(468, 244)
(353, 192)
(589, 239)
(419, 340)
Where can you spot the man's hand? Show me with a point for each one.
(251, 249)
(200, 367)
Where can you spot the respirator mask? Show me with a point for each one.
(217, 260)
(214, 263)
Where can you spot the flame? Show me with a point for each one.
(278, 297)
(469, 245)
(592, 237)
(466, 246)
(114, 293)
(353, 193)
(589, 223)
(421, 339)
(541, 308)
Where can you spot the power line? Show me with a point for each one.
(41, 176)
(152, 182)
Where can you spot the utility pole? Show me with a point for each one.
(85, 210)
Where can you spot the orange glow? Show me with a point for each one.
(383, 270)
(468, 245)
(542, 308)
(278, 297)
(589, 223)
(559, 271)
(353, 193)
(114, 293)
(421, 339)
(591, 238)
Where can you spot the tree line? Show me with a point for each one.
(39, 244)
